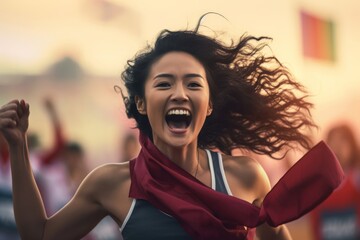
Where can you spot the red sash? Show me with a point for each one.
(207, 214)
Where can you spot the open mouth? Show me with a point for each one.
(178, 118)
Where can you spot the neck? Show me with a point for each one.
(186, 157)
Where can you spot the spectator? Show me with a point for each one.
(338, 218)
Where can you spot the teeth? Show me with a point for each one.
(179, 112)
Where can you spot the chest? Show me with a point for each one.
(146, 220)
(143, 219)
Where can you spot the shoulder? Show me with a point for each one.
(106, 178)
(110, 172)
(247, 178)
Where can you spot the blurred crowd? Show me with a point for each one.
(60, 169)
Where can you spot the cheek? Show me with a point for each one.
(204, 100)
(202, 106)
(154, 106)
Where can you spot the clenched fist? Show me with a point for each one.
(14, 121)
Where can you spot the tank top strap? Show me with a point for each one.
(217, 172)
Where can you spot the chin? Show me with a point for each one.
(175, 141)
(178, 142)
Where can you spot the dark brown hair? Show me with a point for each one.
(257, 105)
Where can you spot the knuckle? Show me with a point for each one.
(13, 112)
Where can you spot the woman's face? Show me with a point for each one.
(176, 99)
(342, 147)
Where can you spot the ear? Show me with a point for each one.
(210, 109)
(140, 105)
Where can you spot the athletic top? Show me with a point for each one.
(144, 221)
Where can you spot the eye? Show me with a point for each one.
(194, 85)
(163, 85)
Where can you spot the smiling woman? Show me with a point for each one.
(190, 93)
(176, 101)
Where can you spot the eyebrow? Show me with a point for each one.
(168, 75)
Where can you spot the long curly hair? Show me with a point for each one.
(257, 105)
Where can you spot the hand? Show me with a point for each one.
(14, 120)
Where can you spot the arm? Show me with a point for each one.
(59, 139)
(29, 211)
(248, 181)
(29, 214)
(77, 218)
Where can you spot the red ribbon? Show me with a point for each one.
(208, 214)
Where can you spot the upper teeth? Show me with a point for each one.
(179, 112)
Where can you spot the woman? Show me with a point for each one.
(187, 93)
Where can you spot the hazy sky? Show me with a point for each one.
(103, 34)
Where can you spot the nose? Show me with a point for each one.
(179, 93)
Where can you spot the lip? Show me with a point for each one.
(177, 130)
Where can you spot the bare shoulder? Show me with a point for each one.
(246, 177)
(244, 168)
(111, 173)
(108, 185)
(107, 178)
(240, 163)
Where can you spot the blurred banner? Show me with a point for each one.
(318, 37)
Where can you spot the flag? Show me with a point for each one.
(318, 37)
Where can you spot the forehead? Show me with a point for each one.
(177, 63)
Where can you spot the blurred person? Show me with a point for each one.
(40, 155)
(66, 171)
(338, 218)
(76, 166)
(63, 166)
(190, 93)
(341, 138)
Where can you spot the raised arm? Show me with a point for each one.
(28, 207)
(59, 139)
(77, 218)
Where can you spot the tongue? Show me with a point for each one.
(177, 124)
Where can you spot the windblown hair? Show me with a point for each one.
(257, 105)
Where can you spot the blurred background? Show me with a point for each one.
(72, 53)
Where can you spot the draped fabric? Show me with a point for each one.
(207, 214)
